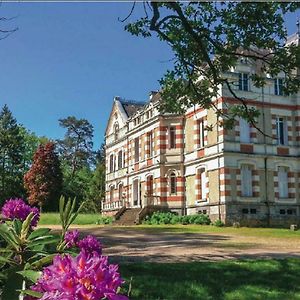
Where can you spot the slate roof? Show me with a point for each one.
(131, 107)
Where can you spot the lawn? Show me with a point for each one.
(230, 280)
(82, 219)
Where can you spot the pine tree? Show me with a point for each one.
(11, 156)
(43, 181)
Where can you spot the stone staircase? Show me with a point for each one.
(128, 217)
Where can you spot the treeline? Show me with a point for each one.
(40, 169)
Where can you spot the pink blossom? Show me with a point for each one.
(85, 277)
(90, 244)
(72, 238)
(18, 209)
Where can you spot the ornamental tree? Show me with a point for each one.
(208, 39)
(43, 181)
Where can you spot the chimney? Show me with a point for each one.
(152, 93)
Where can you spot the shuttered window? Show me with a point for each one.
(244, 131)
(246, 181)
(283, 182)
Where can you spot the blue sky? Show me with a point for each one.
(72, 59)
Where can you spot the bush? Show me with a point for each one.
(158, 218)
(219, 223)
(104, 220)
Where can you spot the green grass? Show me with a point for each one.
(82, 219)
(229, 280)
(245, 231)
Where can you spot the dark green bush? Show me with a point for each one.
(218, 223)
(158, 218)
(104, 220)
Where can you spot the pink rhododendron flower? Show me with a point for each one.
(72, 238)
(85, 277)
(90, 244)
(18, 209)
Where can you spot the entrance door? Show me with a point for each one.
(136, 192)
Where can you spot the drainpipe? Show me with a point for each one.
(219, 181)
(265, 158)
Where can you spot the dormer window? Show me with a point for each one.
(243, 82)
(116, 131)
(278, 86)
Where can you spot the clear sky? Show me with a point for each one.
(72, 59)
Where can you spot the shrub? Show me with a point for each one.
(219, 223)
(104, 220)
(158, 218)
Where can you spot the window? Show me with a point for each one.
(278, 86)
(243, 82)
(111, 196)
(150, 143)
(283, 182)
(291, 211)
(136, 150)
(111, 163)
(201, 133)
(203, 184)
(150, 185)
(281, 131)
(253, 211)
(172, 137)
(246, 181)
(116, 131)
(120, 191)
(282, 212)
(173, 188)
(244, 131)
(120, 160)
(245, 210)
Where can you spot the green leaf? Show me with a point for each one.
(43, 241)
(9, 236)
(61, 209)
(17, 224)
(30, 275)
(43, 261)
(6, 260)
(26, 225)
(31, 293)
(38, 232)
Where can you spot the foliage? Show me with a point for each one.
(208, 39)
(76, 149)
(170, 218)
(11, 156)
(104, 220)
(44, 179)
(218, 223)
(269, 279)
(26, 251)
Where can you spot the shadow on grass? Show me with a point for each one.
(248, 279)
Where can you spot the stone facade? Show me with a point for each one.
(237, 175)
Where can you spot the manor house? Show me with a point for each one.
(167, 161)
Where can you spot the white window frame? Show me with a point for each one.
(136, 149)
(246, 181)
(283, 182)
(278, 86)
(245, 131)
(201, 133)
(244, 82)
(172, 135)
(203, 182)
(281, 131)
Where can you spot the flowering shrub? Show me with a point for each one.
(53, 266)
(18, 209)
(87, 276)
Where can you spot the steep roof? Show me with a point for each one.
(131, 107)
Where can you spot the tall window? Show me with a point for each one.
(120, 191)
(111, 163)
(173, 184)
(120, 160)
(150, 141)
(283, 182)
(243, 82)
(116, 131)
(111, 193)
(281, 130)
(201, 133)
(150, 185)
(203, 184)
(278, 86)
(244, 131)
(246, 181)
(172, 137)
(136, 149)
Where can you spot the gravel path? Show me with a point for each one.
(130, 245)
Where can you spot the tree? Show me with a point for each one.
(44, 179)
(76, 149)
(11, 156)
(208, 38)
